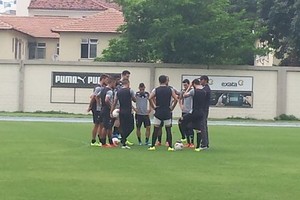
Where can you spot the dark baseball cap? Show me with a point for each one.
(141, 85)
(204, 78)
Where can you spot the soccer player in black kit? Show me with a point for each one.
(162, 106)
(107, 99)
(196, 117)
(95, 107)
(125, 96)
(204, 82)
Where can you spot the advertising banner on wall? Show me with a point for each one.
(229, 91)
(77, 79)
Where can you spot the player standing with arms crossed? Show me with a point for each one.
(186, 107)
(162, 106)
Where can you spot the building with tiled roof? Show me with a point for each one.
(110, 19)
(69, 8)
(87, 32)
(45, 37)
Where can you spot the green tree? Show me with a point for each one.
(282, 19)
(184, 31)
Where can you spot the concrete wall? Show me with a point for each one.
(22, 7)
(293, 93)
(70, 44)
(263, 108)
(9, 85)
(26, 86)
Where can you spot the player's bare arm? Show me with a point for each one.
(113, 106)
(175, 100)
(186, 94)
(151, 100)
(92, 101)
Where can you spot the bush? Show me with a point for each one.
(287, 117)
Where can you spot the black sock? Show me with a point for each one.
(198, 139)
(159, 138)
(188, 138)
(154, 135)
(192, 138)
(139, 139)
(147, 140)
(103, 141)
(99, 138)
(93, 141)
(110, 140)
(169, 136)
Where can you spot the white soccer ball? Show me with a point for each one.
(178, 146)
(115, 113)
(116, 141)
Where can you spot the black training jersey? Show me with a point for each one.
(199, 100)
(124, 96)
(105, 106)
(163, 101)
(206, 88)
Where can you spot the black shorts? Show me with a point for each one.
(142, 119)
(194, 120)
(97, 119)
(126, 123)
(108, 122)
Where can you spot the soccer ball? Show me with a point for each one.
(178, 146)
(115, 113)
(116, 141)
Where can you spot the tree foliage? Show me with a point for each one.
(282, 19)
(185, 31)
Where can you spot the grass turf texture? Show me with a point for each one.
(55, 161)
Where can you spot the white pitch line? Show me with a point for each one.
(210, 123)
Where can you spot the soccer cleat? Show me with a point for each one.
(170, 149)
(113, 145)
(187, 145)
(192, 146)
(140, 143)
(129, 143)
(158, 144)
(151, 149)
(107, 146)
(148, 144)
(96, 144)
(197, 149)
(167, 144)
(125, 147)
(203, 148)
(183, 140)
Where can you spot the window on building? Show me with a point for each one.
(89, 48)
(41, 50)
(57, 48)
(37, 50)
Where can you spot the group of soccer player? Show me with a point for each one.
(111, 94)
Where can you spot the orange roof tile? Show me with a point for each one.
(104, 22)
(39, 27)
(68, 5)
(4, 25)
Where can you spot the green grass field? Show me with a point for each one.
(47, 161)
